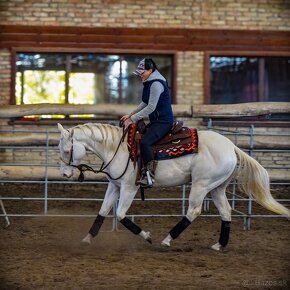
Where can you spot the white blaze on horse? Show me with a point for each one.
(209, 170)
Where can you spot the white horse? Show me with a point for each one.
(209, 170)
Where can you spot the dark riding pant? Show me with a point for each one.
(154, 133)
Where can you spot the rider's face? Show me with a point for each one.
(145, 75)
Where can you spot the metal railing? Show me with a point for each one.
(246, 213)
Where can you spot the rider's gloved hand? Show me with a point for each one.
(127, 122)
(124, 118)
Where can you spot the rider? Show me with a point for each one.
(156, 105)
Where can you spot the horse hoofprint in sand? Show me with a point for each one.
(210, 170)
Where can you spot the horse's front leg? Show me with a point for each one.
(127, 195)
(111, 196)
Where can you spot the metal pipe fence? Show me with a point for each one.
(236, 200)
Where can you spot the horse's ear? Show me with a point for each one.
(62, 130)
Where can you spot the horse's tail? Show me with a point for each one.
(253, 179)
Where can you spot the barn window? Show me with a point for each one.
(239, 79)
(82, 78)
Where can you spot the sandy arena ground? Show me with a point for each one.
(46, 253)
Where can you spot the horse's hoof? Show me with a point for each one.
(165, 244)
(166, 241)
(148, 238)
(87, 239)
(216, 247)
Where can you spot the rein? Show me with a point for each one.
(84, 167)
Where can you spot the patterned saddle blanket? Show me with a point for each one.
(178, 142)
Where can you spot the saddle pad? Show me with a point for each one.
(165, 151)
(188, 146)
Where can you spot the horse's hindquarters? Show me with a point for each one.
(215, 161)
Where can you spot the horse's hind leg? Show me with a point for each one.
(196, 197)
(221, 202)
(111, 196)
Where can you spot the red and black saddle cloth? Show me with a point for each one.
(178, 142)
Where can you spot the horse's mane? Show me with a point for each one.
(109, 133)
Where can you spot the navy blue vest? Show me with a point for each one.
(163, 111)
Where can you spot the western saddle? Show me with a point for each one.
(178, 137)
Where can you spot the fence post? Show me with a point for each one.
(250, 200)
(4, 212)
(46, 174)
(183, 200)
(209, 123)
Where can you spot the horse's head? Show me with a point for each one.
(71, 151)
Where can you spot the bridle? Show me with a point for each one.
(84, 167)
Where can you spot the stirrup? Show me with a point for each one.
(146, 180)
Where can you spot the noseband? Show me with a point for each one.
(84, 167)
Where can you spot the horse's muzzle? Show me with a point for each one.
(66, 172)
(66, 175)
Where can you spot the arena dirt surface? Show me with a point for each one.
(46, 253)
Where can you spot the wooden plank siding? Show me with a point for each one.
(170, 39)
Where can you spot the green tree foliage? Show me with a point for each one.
(41, 87)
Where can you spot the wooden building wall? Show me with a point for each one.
(190, 29)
